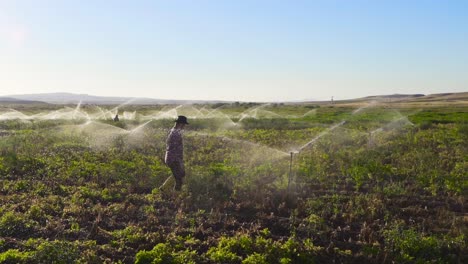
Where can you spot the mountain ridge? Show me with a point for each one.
(72, 98)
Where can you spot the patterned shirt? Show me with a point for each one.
(174, 146)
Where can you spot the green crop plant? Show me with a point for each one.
(14, 256)
(411, 246)
(13, 224)
(163, 253)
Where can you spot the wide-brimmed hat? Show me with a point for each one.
(181, 119)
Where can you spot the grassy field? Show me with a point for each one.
(371, 183)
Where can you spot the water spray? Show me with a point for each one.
(164, 183)
(140, 126)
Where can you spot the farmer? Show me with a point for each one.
(175, 151)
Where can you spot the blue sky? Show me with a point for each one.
(243, 50)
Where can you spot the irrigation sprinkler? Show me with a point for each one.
(291, 167)
(311, 142)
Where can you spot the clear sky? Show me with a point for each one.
(247, 50)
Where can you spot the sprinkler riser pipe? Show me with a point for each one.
(290, 170)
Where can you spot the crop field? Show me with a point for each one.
(274, 183)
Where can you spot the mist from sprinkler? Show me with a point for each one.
(188, 110)
(78, 114)
(315, 139)
(140, 127)
(254, 145)
(103, 133)
(99, 113)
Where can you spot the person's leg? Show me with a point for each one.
(182, 169)
(178, 171)
(178, 184)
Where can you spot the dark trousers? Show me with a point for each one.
(178, 170)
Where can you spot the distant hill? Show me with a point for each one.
(70, 98)
(10, 100)
(393, 96)
(413, 98)
(445, 97)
